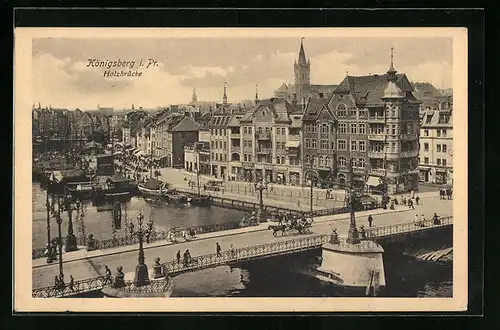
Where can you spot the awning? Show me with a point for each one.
(367, 199)
(292, 144)
(373, 181)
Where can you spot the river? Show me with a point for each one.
(405, 276)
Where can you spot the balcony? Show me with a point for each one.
(292, 152)
(376, 137)
(264, 151)
(263, 136)
(358, 170)
(235, 136)
(408, 154)
(376, 119)
(378, 171)
(412, 136)
(376, 154)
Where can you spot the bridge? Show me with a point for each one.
(249, 253)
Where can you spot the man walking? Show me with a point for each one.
(217, 249)
(178, 257)
(107, 275)
(370, 220)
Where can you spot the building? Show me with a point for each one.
(436, 147)
(302, 89)
(197, 154)
(319, 130)
(378, 130)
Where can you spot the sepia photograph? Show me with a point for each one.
(322, 166)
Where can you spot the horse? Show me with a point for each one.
(303, 225)
(277, 228)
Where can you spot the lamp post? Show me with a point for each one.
(352, 234)
(70, 238)
(260, 186)
(59, 222)
(312, 175)
(141, 270)
(49, 245)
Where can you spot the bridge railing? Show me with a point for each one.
(398, 228)
(81, 286)
(245, 253)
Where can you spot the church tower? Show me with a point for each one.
(302, 70)
(194, 98)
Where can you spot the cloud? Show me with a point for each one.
(191, 71)
(438, 73)
(279, 58)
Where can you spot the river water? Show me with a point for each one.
(405, 277)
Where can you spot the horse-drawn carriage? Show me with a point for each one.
(177, 234)
(282, 223)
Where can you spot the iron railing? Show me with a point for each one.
(379, 232)
(246, 253)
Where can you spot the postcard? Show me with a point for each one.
(240, 170)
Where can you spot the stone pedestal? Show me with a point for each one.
(353, 266)
(161, 287)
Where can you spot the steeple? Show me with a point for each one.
(302, 53)
(194, 98)
(391, 73)
(224, 97)
(256, 94)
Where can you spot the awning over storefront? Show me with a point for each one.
(373, 181)
(292, 144)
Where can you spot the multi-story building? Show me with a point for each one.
(220, 141)
(320, 140)
(436, 146)
(197, 154)
(378, 130)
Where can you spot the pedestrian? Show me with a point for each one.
(417, 200)
(188, 255)
(435, 219)
(186, 258)
(107, 277)
(217, 249)
(178, 257)
(232, 250)
(56, 282)
(416, 220)
(411, 194)
(71, 283)
(403, 201)
(370, 220)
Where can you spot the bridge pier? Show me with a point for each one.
(358, 268)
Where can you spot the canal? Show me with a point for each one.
(97, 220)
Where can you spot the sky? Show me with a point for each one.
(62, 78)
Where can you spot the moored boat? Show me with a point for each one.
(173, 196)
(153, 188)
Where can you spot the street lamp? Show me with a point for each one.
(49, 245)
(141, 270)
(352, 234)
(260, 187)
(312, 175)
(70, 238)
(57, 209)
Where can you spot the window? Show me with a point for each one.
(267, 130)
(393, 130)
(342, 128)
(321, 161)
(426, 160)
(278, 131)
(426, 132)
(328, 161)
(245, 143)
(225, 157)
(224, 131)
(354, 145)
(250, 143)
(321, 95)
(308, 159)
(308, 143)
(282, 159)
(245, 157)
(353, 113)
(341, 144)
(245, 130)
(362, 146)
(353, 162)
(212, 144)
(444, 132)
(444, 147)
(283, 131)
(314, 128)
(213, 157)
(324, 128)
(426, 146)
(249, 158)
(341, 161)
(362, 129)
(438, 132)
(278, 160)
(225, 145)
(439, 161)
(444, 162)
(332, 145)
(324, 144)
(308, 128)
(260, 130)
(354, 129)
(438, 148)
(341, 110)
(361, 162)
(314, 143)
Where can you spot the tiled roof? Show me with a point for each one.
(186, 124)
(431, 118)
(368, 90)
(280, 108)
(313, 108)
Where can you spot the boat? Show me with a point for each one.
(173, 196)
(81, 190)
(113, 187)
(202, 200)
(153, 188)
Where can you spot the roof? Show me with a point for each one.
(280, 108)
(186, 124)
(302, 54)
(92, 144)
(153, 183)
(437, 118)
(368, 90)
(314, 107)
